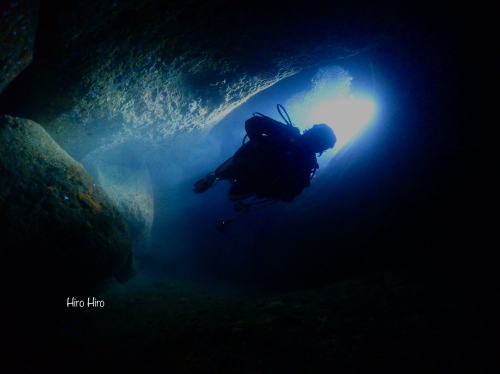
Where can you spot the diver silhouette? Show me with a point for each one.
(277, 162)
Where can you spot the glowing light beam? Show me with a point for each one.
(347, 117)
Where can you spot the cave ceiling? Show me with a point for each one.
(106, 73)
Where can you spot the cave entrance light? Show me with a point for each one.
(330, 100)
(347, 117)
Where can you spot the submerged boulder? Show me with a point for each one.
(132, 192)
(59, 228)
(18, 22)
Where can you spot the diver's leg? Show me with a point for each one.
(240, 191)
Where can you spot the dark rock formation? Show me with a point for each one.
(112, 75)
(18, 21)
(59, 228)
(415, 193)
(112, 72)
(131, 191)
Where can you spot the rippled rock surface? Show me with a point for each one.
(59, 229)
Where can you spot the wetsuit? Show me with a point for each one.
(274, 163)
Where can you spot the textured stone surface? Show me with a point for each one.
(132, 193)
(59, 228)
(110, 72)
(18, 21)
(124, 78)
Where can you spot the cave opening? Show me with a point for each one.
(382, 263)
(248, 254)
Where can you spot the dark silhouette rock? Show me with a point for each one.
(59, 229)
(18, 21)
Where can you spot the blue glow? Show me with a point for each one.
(347, 117)
(330, 101)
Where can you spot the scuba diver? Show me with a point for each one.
(276, 164)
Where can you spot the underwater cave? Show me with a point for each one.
(111, 111)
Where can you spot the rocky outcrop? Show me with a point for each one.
(131, 191)
(59, 228)
(18, 21)
(113, 72)
(131, 78)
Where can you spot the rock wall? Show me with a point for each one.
(130, 77)
(110, 72)
(131, 191)
(59, 228)
(18, 21)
